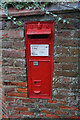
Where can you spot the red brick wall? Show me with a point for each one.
(64, 103)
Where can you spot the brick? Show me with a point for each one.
(67, 80)
(22, 90)
(61, 112)
(62, 85)
(22, 84)
(26, 113)
(44, 111)
(57, 66)
(10, 99)
(66, 59)
(68, 108)
(8, 77)
(21, 108)
(19, 44)
(52, 101)
(60, 96)
(19, 63)
(11, 70)
(63, 102)
(7, 44)
(13, 34)
(77, 34)
(74, 117)
(62, 50)
(66, 74)
(66, 43)
(47, 106)
(17, 94)
(52, 116)
(75, 51)
(8, 62)
(67, 67)
(20, 78)
(28, 100)
(13, 53)
(63, 33)
(14, 116)
(8, 89)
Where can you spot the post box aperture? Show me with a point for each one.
(39, 54)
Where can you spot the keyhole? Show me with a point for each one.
(35, 82)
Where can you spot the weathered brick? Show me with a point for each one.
(10, 99)
(20, 78)
(75, 51)
(19, 44)
(13, 34)
(57, 66)
(22, 90)
(8, 62)
(62, 50)
(27, 113)
(66, 59)
(22, 84)
(17, 94)
(66, 74)
(52, 101)
(64, 33)
(68, 108)
(74, 117)
(8, 77)
(77, 34)
(67, 43)
(52, 116)
(12, 53)
(60, 96)
(63, 102)
(67, 67)
(14, 116)
(62, 85)
(62, 112)
(19, 63)
(7, 44)
(8, 89)
(21, 108)
(28, 100)
(12, 70)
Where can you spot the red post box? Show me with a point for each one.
(39, 50)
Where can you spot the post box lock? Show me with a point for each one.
(39, 52)
(35, 63)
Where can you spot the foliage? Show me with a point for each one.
(28, 6)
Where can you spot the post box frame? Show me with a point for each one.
(51, 51)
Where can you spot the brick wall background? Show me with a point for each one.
(64, 102)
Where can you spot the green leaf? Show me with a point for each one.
(59, 18)
(54, 15)
(42, 9)
(14, 18)
(9, 18)
(67, 22)
(14, 22)
(19, 23)
(27, 8)
(64, 21)
(47, 12)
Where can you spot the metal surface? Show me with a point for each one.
(39, 50)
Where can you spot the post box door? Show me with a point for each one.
(40, 79)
